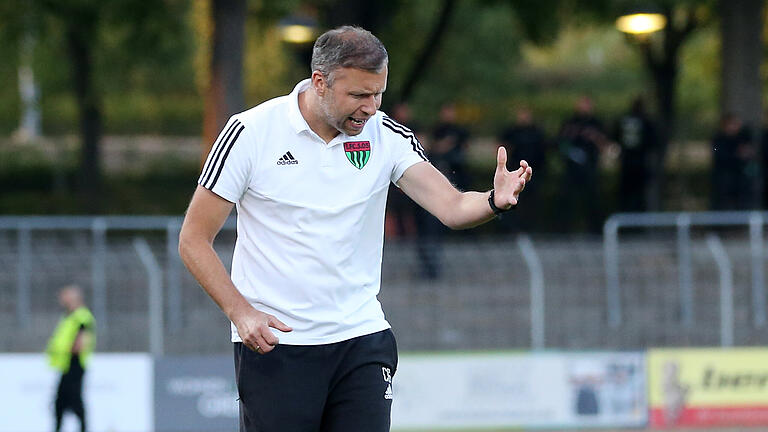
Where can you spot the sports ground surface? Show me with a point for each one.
(732, 429)
(739, 429)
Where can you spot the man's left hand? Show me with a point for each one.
(509, 184)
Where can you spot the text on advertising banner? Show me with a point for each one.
(708, 387)
(195, 394)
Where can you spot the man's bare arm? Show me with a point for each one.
(459, 210)
(206, 215)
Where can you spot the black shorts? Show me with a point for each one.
(339, 387)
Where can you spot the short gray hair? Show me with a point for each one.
(348, 47)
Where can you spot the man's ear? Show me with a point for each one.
(319, 83)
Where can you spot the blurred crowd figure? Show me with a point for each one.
(569, 195)
(734, 165)
(580, 142)
(401, 211)
(446, 149)
(637, 138)
(525, 140)
(568, 170)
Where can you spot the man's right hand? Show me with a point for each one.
(253, 326)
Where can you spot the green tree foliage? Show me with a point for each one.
(90, 32)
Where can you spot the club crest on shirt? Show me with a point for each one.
(358, 152)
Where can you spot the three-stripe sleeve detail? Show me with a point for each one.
(215, 163)
(405, 133)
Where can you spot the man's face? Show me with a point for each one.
(584, 106)
(67, 298)
(352, 99)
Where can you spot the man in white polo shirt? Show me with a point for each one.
(309, 174)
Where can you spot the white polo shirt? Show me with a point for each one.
(310, 225)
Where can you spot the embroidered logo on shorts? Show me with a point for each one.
(358, 153)
(387, 374)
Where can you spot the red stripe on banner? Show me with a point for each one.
(710, 416)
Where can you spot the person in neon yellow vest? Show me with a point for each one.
(69, 351)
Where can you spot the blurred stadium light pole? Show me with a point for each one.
(725, 269)
(98, 275)
(685, 268)
(533, 262)
(155, 276)
(173, 272)
(661, 56)
(639, 23)
(757, 247)
(22, 276)
(611, 257)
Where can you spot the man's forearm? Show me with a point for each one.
(469, 210)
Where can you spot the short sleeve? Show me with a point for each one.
(227, 169)
(406, 148)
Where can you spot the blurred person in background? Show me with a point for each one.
(733, 155)
(401, 211)
(309, 174)
(580, 141)
(446, 151)
(637, 139)
(69, 350)
(525, 140)
(448, 147)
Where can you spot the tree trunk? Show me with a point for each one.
(663, 65)
(428, 51)
(224, 96)
(741, 55)
(89, 109)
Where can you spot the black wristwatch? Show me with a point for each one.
(497, 211)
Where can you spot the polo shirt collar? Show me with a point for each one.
(295, 118)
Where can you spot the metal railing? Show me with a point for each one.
(98, 228)
(632, 291)
(683, 223)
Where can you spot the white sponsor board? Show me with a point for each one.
(117, 391)
(519, 390)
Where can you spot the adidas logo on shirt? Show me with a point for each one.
(287, 159)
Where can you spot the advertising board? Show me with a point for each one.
(556, 390)
(195, 393)
(117, 393)
(708, 387)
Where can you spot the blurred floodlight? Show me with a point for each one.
(298, 30)
(641, 23)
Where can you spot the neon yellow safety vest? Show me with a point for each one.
(59, 348)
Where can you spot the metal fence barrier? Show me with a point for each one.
(683, 224)
(665, 284)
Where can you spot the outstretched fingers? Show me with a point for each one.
(501, 159)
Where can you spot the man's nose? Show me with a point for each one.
(370, 105)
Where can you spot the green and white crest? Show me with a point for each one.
(358, 153)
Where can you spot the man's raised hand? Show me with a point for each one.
(509, 184)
